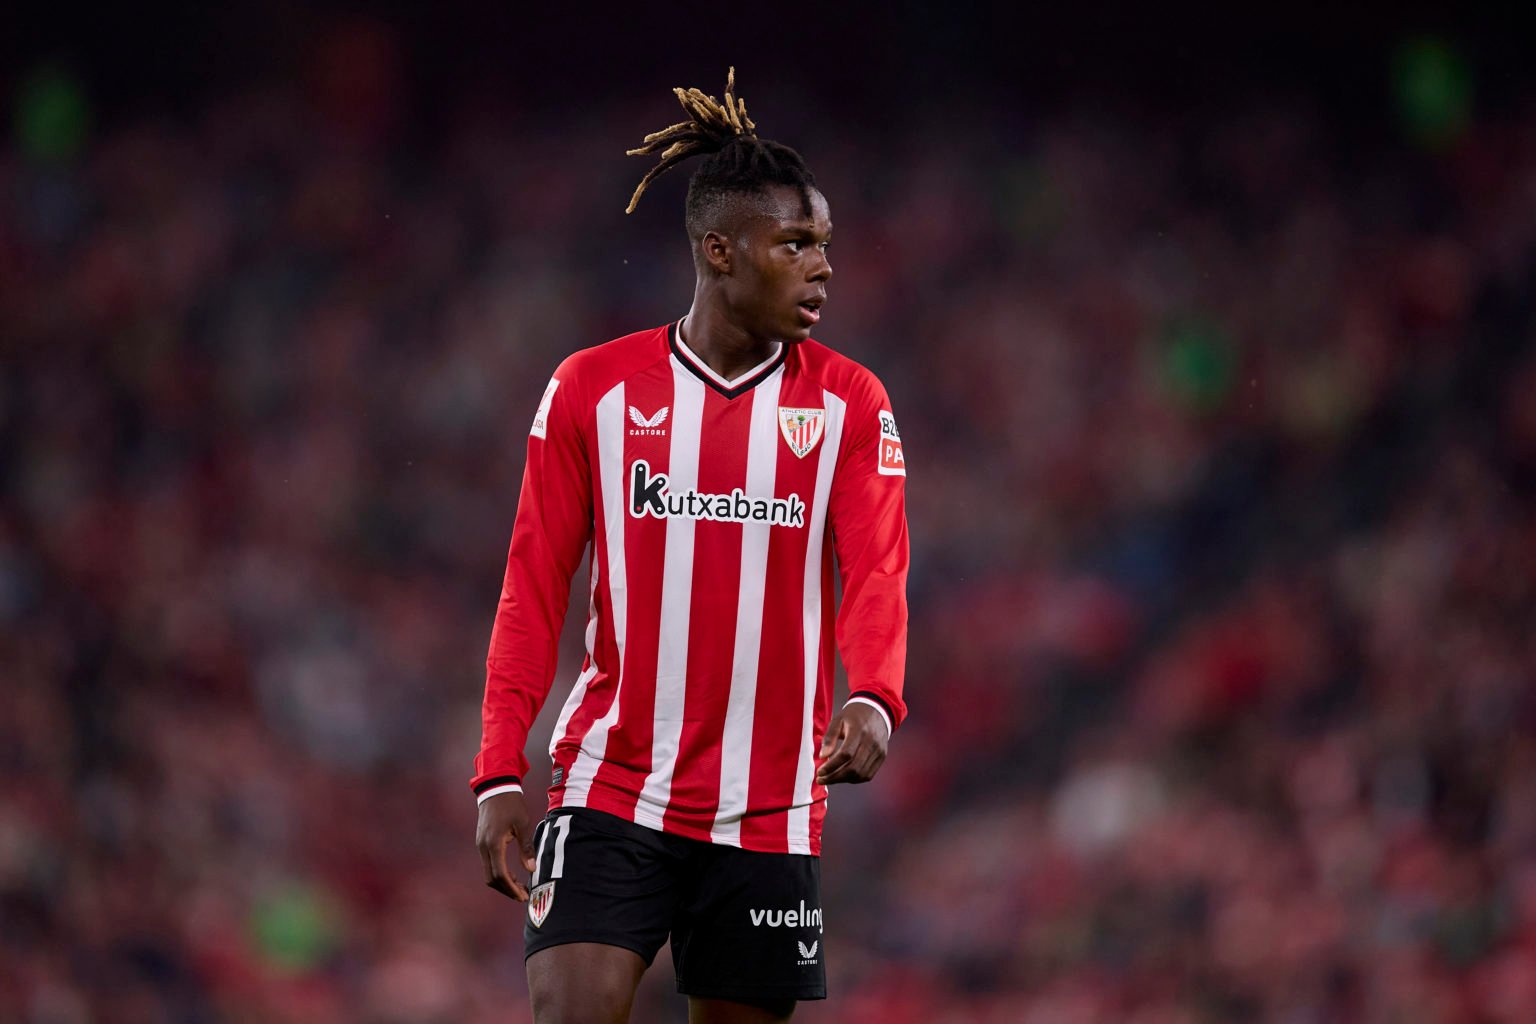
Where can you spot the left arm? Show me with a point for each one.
(868, 517)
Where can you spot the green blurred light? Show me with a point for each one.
(1198, 360)
(294, 928)
(1030, 202)
(52, 116)
(1433, 87)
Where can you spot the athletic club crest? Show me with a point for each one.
(539, 902)
(802, 428)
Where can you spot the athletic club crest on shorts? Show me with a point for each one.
(539, 902)
(802, 428)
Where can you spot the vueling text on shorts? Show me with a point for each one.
(792, 918)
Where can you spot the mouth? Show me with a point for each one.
(810, 309)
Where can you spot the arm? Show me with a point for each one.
(869, 530)
(553, 526)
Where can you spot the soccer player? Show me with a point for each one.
(718, 466)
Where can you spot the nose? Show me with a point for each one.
(821, 270)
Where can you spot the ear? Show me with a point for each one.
(717, 252)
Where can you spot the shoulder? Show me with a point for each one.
(591, 372)
(871, 423)
(846, 378)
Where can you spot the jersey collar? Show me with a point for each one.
(729, 388)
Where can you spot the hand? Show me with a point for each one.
(854, 747)
(503, 819)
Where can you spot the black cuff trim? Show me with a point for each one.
(499, 780)
(884, 704)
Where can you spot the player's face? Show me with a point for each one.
(783, 271)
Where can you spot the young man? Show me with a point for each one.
(718, 466)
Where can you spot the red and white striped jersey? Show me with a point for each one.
(715, 509)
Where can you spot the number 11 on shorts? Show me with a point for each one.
(541, 897)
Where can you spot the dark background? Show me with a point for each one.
(1211, 338)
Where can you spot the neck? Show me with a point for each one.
(722, 345)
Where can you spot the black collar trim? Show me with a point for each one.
(736, 388)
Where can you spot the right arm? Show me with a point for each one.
(552, 528)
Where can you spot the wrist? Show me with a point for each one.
(885, 716)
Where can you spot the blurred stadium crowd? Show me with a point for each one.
(1223, 498)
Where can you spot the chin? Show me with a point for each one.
(790, 333)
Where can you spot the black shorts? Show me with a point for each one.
(744, 926)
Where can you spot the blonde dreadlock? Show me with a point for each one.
(710, 126)
(737, 161)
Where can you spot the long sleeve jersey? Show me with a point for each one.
(716, 511)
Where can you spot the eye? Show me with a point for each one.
(795, 245)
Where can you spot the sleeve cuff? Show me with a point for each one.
(885, 716)
(496, 790)
(493, 784)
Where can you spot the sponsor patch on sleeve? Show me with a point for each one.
(892, 461)
(541, 418)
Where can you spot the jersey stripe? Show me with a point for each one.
(824, 684)
(676, 602)
(610, 456)
(578, 692)
(736, 741)
(815, 557)
(628, 760)
(777, 727)
(716, 584)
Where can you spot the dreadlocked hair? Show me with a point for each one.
(736, 160)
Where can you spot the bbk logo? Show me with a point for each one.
(892, 461)
(648, 425)
(807, 953)
(804, 917)
(649, 495)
